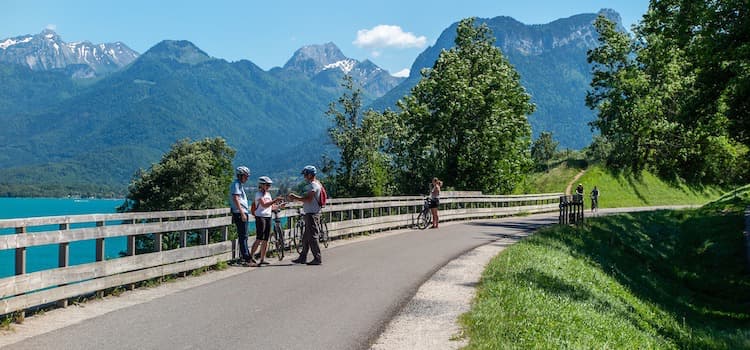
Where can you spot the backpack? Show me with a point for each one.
(323, 196)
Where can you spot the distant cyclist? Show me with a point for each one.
(595, 199)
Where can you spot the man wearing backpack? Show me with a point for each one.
(311, 205)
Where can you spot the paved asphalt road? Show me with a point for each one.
(343, 304)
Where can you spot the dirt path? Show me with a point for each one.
(575, 179)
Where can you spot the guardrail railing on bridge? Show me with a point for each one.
(345, 216)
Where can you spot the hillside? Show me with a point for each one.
(618, 189)
(96, 133)
(173, 91)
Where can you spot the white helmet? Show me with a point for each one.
(242, 170)
(264, 180)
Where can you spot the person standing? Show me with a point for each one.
(263, 204)
(240, 211)
(435, 200)
(595, 199)
(579, 189)
(311, 206)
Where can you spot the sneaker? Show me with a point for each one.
(299, 261)
(315, 262)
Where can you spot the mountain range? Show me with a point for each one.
(47, 51)
(89, 116)
(551, 59)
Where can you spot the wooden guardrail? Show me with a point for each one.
(345, 216)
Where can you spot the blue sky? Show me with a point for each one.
(389, 33)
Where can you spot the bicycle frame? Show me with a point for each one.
(424, 219)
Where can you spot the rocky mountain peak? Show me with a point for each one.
(182, 51)
(47, 51)
(326, 65)
(312, 59)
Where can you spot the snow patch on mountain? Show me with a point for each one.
(345, 65)
(47, 51)
(10, 42)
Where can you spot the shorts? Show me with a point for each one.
(434, 202)
(262, 228)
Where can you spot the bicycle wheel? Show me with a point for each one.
(324, 232)
(299, 230)
(424, 219)
(292, 240)
(279, 234)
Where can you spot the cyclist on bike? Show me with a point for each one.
(263, 204)
(595, 199)
(311, 205)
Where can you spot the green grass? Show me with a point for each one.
(617, 190)
(652, 280)
(645, 189)
(554, 180)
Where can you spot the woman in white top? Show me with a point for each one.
(435, 200)
(263, 205)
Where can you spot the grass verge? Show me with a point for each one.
(617, 190)
(664, 279)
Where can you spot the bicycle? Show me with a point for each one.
(298, 230)
(424, 219)
(323, 231)
(594, 204)
(278, 233)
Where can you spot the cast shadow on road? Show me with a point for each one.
(511, 225)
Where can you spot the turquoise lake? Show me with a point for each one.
(45, 257)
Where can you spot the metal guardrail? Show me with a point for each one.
(345, 216)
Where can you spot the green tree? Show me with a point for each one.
(666, 99)
(465, 121)
(618, 87)
(599, 149)
(192, 175)
(543, 149)
(364, 167)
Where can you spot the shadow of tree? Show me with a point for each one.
(668, 258)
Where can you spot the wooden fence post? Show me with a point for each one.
(63, 260)
(20, 269)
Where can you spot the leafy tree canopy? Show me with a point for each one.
(192, 175)
(544, 148)
(674, 97)
(465, 121)
(364, 169)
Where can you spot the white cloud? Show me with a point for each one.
(404, 73)
(382, 36)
